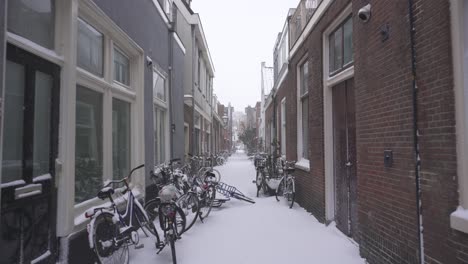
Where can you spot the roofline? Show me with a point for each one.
(194, 19)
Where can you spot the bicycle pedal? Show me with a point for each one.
(140, 246)
(160, 246)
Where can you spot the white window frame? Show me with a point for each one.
(113, 65)
(302, 163)
(328, 83)
(168, 8)
(162, 106)
(113, 35)
(459, 23)
(283, 127)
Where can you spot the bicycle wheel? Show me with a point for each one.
(258, 181)
(291, 192)
(207, 202)
(143, 221)
(107, 244)
(279, 190)
(152, 209)
(189, 205)
(173, 251)
(179, 219)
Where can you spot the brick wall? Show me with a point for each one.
(437, 125)
(387, 197)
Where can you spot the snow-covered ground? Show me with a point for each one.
(264, 232)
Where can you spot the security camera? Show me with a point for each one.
(365, 13)
(149, 61)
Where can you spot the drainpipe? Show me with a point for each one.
(417, 157)
(274, 123)
(193, 90)
(171, 65)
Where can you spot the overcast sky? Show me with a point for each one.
(241, 34)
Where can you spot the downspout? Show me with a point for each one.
(274, 124)
(171, 65)
(193, 91)
(417, 157)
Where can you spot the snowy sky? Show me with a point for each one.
(241, 34)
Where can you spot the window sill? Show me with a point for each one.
(459, 220)
(303, 164)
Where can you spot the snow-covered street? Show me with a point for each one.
(264, 232)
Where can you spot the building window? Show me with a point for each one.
(283, 127)
(341, 46)
(34, 20)
(303, 99)
(159, 86)
(121, 67)
(120, 138)
(104, 115)
(88, 147)
(28, 108)
(159, 135)
(90, 55)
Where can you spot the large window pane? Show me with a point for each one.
(33, 19)
(331, 53)
(304, 78)
(13, 122)
(90, 48)
(121, 68)
(305, 128)
(159, 135)
(88, 147)
(159, 86)
(42, 123)
(120, 138)
(348, 41)
(338, 60)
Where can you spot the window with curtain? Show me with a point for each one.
(120, 138)
(283, 127)
(159, 86)
(90, 54)
(304, 104)
(88, 146)
(159, 135)
(121, 67)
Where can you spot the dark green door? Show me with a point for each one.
(30, 141)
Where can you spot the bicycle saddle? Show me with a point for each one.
(105, 192)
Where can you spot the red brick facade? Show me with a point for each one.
(386, 202)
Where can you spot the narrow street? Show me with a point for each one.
(264, 232)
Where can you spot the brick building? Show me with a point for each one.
(375, 115)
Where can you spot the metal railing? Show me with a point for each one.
(304, 12)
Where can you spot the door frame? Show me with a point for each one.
(328, 83)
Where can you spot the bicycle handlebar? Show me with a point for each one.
(125, 179)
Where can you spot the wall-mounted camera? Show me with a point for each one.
(149, 61)
(364, 13)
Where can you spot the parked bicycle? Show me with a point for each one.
(287, 186)
(110, 231)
